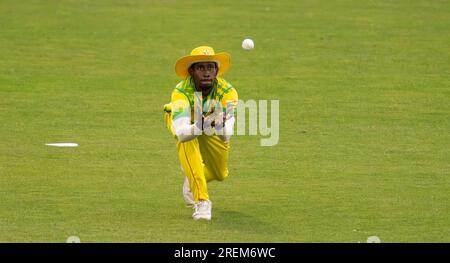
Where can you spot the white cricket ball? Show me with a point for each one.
(248, 44)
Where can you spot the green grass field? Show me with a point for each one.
(364, 148)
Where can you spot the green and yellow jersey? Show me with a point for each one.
(183, 99)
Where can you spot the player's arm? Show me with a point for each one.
(229, 105)
(181, 118)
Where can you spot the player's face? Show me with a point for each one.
(203, 74)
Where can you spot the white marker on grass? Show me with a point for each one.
(73, 239)
(63, 144)
(373, 239)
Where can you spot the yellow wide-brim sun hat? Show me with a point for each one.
(202, 54)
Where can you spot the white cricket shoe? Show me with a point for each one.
(202, 210)
(187, 194)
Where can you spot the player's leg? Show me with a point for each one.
(187, 193)
(215, 157)
(192, 164)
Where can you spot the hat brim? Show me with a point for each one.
(222, 59)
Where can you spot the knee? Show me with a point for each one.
(222, 175)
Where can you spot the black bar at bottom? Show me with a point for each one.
(224, 252)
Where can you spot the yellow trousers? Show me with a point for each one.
(203, 159)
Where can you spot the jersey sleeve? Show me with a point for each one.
(180, 105)
(229, 101)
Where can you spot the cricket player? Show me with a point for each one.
(201, 116)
